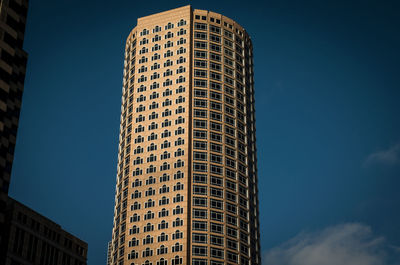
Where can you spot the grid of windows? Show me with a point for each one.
(151, 185)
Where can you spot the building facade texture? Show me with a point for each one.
(12, 75)
(33, 239)
(186, 190)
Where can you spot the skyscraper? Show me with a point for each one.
(186, 190)
(12, 75)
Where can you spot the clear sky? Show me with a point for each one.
(327, 79)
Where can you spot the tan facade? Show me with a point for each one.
(187, 180)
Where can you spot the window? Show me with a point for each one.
(199, 261)
(199, 134)
(180, 109)
(217, 253)
(200, 103)
(200, 83)
(181, 89)
(181, 60)
(215, 29)
(232, 232)
(168, 72)
(216, 192)
(178, 198)
(155, 56)
(149, 215)
(177, 210)
(200, 73)
(200, 26)
(147, 240)
(200, 156)
(179, 163)
(177, 235)
(168, 53)
(156, 38)
(199, 213)
(164, 178)
(199, 238)
(148, 252)
(217, 228)
(154, 85)
(182, 22)
(215, 105)
(162, 225)
(168, 63)
(199, 178)
(164, 189)
(216, 204)
(166, 133)
(200, 54)
(181, 32)
(179, 131)
(179, 152)
(199, 250)
(162, 261)
(216, 216)
(200, 145)
(215, 48)
(136, 183)
(177, 247)
(156, 29)
(153, 116)
(181, 69)
(200, 63)
(177, 222)
(181, 41)
(156, 47)
(217, 240)
(200, 124)
(181, 79)
(141, 70)
(163, 212)
(199, 167)
(169, 26)
(162, 250)
(136, 206)
(143, 41)
(200, 45)
(200, 201)
(162, 237)
(181, 50)
(215, 57)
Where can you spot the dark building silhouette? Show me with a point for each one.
(12, 74)
(26, 237)
(36, 240)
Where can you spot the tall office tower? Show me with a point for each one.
(12, 74)
(186, 189)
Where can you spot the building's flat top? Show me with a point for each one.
(163, 13)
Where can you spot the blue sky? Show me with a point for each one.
(327, 79)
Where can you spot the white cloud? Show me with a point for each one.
(390, 156)
(347, 244)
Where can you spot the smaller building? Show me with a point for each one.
(36, 240)
(109, 253)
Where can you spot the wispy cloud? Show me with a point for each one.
(347, 244)
(390, 156)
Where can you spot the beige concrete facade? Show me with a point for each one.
(187, 179)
